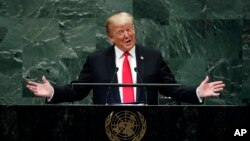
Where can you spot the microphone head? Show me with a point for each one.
(135, 69)
(116, 69)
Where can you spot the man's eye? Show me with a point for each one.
(119, 32)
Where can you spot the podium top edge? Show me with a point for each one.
(127, 85)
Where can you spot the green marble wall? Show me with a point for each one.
(53, 37)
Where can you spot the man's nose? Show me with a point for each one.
(125, 34)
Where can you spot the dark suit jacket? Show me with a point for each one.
(100, 68)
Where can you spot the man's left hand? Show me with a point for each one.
(208, 89)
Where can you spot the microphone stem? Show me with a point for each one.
(144, 87)
(109, 88)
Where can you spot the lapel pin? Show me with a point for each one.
(142, 58)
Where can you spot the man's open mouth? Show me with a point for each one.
(128, 41)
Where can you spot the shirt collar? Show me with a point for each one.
(119, 52)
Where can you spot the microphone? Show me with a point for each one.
(144, 87)
(112, 81)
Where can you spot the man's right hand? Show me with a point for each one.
(43, 89)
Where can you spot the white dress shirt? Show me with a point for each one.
(119, 57)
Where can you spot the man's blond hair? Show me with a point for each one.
(118, 18)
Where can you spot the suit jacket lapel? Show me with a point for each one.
(111, 69)
(140, 69)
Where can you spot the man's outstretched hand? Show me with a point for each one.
(43, 89)
(208, 89)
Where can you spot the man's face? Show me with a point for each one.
(122, 35)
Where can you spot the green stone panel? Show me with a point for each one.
(192, 38)
(186, 39)
(206, 9)
(157, 11)
(224, 9)
(151, 34)
(75, 9)
(10, 80)
(105, 8)
(10, 61)
(188, 71)
(10, 35)
(39, 9)
(41, 39)
(205, 39)
(11, 8)
(189, 10)
(63, 9)
(78, 36)
(223, 39)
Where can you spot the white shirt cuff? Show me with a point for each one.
(50, 98)
(197, 93)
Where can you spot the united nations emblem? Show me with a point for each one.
(125, 125)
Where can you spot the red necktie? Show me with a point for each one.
(128, 92)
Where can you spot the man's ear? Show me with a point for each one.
(110, 40)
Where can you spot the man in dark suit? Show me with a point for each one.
(125, 62)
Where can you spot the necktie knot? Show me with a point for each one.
(126, 53)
